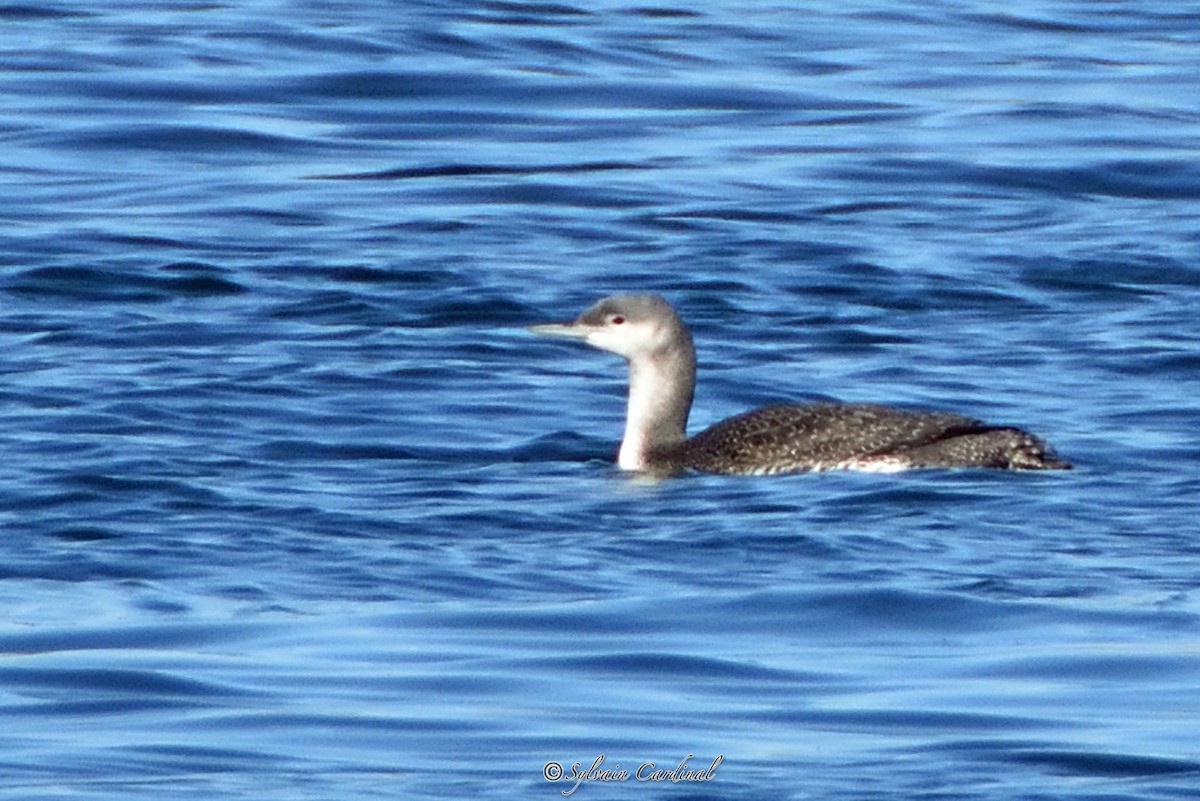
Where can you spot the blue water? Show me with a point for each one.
(294, 508)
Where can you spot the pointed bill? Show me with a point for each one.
(560, 330)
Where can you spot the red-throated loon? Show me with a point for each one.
(647, 332)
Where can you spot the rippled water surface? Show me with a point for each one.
(293, 507)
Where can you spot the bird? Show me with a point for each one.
(780, 439)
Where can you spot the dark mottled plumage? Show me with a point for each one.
(775, 439)
(827, 436)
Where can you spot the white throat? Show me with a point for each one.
(660, 397)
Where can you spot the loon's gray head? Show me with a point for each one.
(631, 326)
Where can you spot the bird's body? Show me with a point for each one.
(647, 332)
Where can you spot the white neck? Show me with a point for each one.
(660, 397)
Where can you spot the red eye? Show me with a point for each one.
(618, 320)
